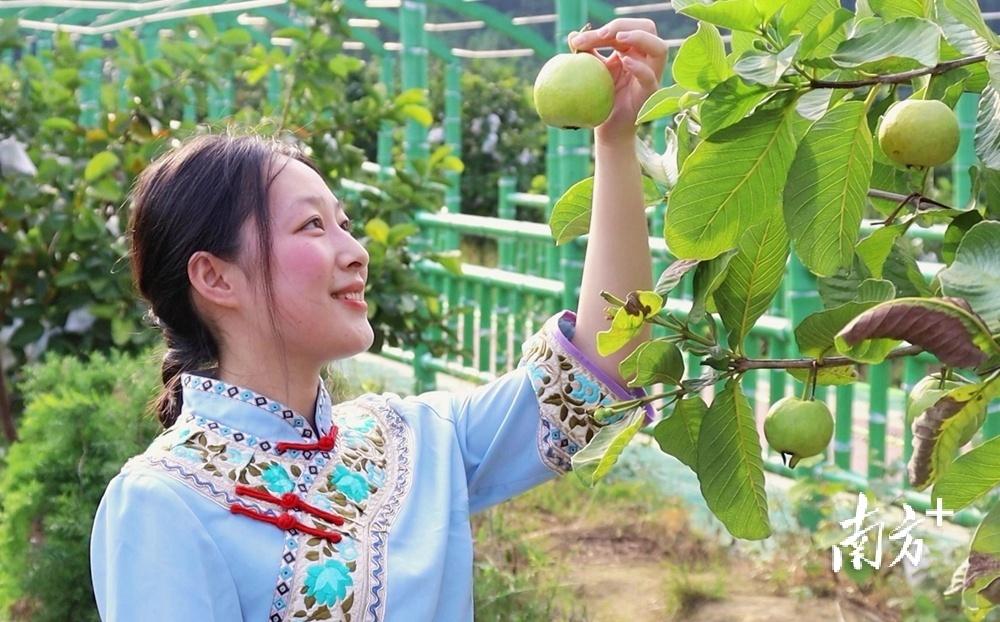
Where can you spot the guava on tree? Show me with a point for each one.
(928, 391)
(919, 132)
(574, 91)
(798, 428)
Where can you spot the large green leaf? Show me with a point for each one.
(662, 103)
(827, 188)
(653, 362)
(843, 286)
(754, 276)
(816, 332)
(728, 103)
(938, 430)
(731, 181)
(891, 9)
(945, 327)
(570, 216)
(803, 15)
(901, 268)
(730, 468)
(988, 118)
(766, 68)
(677, 434)
(971, 476)
(968, 13)
(701, 63)
(822, 41)
(981, 583)
(596, 458)
(963, 37)
(732, 14)
(874, 249)
(975, 273)
(899, 45)
(987, 182)
(708, 276)
(954, 233)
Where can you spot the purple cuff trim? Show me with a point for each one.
(567, 328)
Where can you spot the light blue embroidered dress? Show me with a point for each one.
(241, 511)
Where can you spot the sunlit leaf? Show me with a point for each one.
(974, 275)
(677, 434)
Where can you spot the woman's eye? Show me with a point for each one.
(346, 225)
(316, 219)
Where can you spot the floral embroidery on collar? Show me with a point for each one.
(213, 386)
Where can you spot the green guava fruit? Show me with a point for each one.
(926, 392)
(798, 428)
(574, 91)
(919, 132)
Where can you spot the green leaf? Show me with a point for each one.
(418, 113)
(816, 332)
(731, 181)
(874, 249)
(891, 9)
(974, 275)
(803, 15)
(628, 321)
(700, 63)
(938, 430)
(708, 276)
(400, 232)
(901, 268)
(953, 235)
(235, 37)
(378, 230)
(988, 118)
(671, 277)
(728, 103)
(764, 67)
(967, 12)
(653, 362)
(28, 332)
(963, 37)
(987, 181)
(100, 165)
(971, 476)
(979, 595)
(450, 260)
(754, 276)
(677, 434)
(730, 468)
(945, 327)
(343, 65)
(60, 124)
(596, 458)
(570, 216)
(827, 188)
(899, 45)
(829, 32)
(662, 103)
(732, 14)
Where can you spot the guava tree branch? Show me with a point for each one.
(916, 198)
(743, 364)
(902, 77)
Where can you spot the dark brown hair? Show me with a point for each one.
(196, 197)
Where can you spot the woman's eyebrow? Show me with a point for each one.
(318, 201)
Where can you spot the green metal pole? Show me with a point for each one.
(91, 87)
(413, 40)
(388, 77)
(506, 210)
(554, 179)
(878, 408)
(453, 138)
(574, 157)
(966, 156)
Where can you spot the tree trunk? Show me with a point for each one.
(6, 416)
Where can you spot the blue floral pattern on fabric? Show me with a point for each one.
(186, 453)
(588, 392)
(347, 548)
(358, 422)
(277, 480)
(328, 582)
(376, 475)
(352, 484)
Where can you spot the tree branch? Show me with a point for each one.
(898, 78)
(917, 198)
(742, 364)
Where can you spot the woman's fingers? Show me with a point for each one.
(647, 43)
(605, 36)
(643, 73)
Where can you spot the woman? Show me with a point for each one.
(262, 499)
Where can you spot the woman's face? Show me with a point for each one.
(313, 256)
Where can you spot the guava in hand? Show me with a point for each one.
(574, 91)
(919, 132)
(798, 428)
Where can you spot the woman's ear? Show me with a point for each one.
(215, 280)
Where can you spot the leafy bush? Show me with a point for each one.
(83, 418)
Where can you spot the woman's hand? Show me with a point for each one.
(636, 64)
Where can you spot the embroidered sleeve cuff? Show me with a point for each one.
(569, 387)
